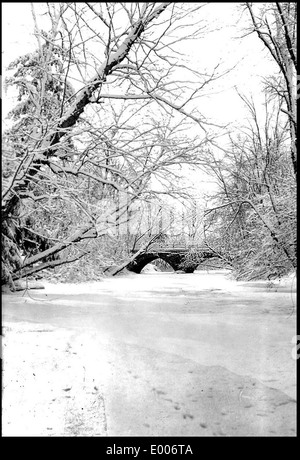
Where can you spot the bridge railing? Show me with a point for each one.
(178, 241)
(165, 248)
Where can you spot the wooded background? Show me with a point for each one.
(89, 173)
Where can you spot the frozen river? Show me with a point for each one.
(159, 354)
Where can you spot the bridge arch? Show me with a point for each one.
(146, 258)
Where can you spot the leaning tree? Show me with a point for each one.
(102, 107)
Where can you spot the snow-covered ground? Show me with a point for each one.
(150, 355)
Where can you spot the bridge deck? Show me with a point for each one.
(171, 249)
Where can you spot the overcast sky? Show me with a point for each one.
(224, 105)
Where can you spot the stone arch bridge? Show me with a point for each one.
(175, 257)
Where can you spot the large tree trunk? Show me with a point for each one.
(71, 117)
(18, 188)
